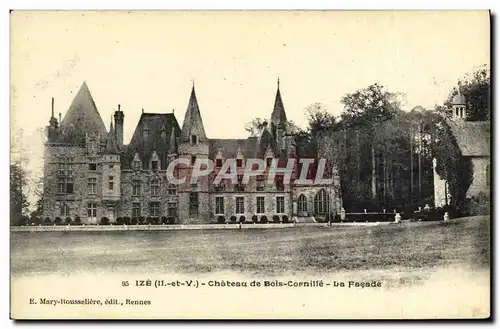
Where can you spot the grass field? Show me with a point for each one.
(260, 251)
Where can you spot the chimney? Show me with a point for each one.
(119, 118)
(52, 107)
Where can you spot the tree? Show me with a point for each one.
(364, 111)
(476, 89)
(38, 212)
(18, 199)
(451, 165)
(318, 118)
(256, 126)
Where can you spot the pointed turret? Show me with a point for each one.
(192, 128)
(278, 117)
(82, 117)
(111, 145)
(279, 122)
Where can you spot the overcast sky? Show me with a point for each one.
(149, 59)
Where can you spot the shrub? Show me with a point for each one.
(263, 219)
(242, 219)
(67, 221)
(148, 220)
(255, 218)
(276, 219)
(233, 219)
(171, 220)
(221, 220)
(120, 221)
(134, 221)
(284, 218)
(164, 220)
(78, 221)
(140, 220)
(104, 221)
(58, 221)
(47, 220)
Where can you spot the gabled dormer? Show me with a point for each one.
(154, 163)
(136, 162)
(219, 159)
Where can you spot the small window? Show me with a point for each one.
(92, 209)
(172, 209)
(171, 189)
(269, 162)
(136, 210)
(154, 165)
(193, 203)
(69, 188)
(92, 166)
(136, 187)
(280, 204)
(260, 205)
(240, 205)
(136, 164)
(239, 163)
(154, 209)
(219, 205)
(155, 187)
(64, 211)
(111, 183)
(194, 139)
(218, 163)
(92, 185)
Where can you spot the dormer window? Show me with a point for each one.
(239, 163)
(154, 165)
(218, 163)
(194, 139)
(269, 162)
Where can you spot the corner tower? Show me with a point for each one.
(194, 205)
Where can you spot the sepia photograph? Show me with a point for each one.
(248, 164)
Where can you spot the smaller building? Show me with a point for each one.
(473, 139)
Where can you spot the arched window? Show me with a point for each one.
(64, 210)
(302, 203)
(321, 204)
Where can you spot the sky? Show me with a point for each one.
(149, 60)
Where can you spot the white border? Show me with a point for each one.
(149, 4)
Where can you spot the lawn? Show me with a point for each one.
(255, 251)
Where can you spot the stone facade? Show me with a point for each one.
(90, 174)
(473, 139)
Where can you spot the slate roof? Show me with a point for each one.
(278, 116)
(193, 124)
(82, 117)
(159, 127)
(229, 147)
(473, 137)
